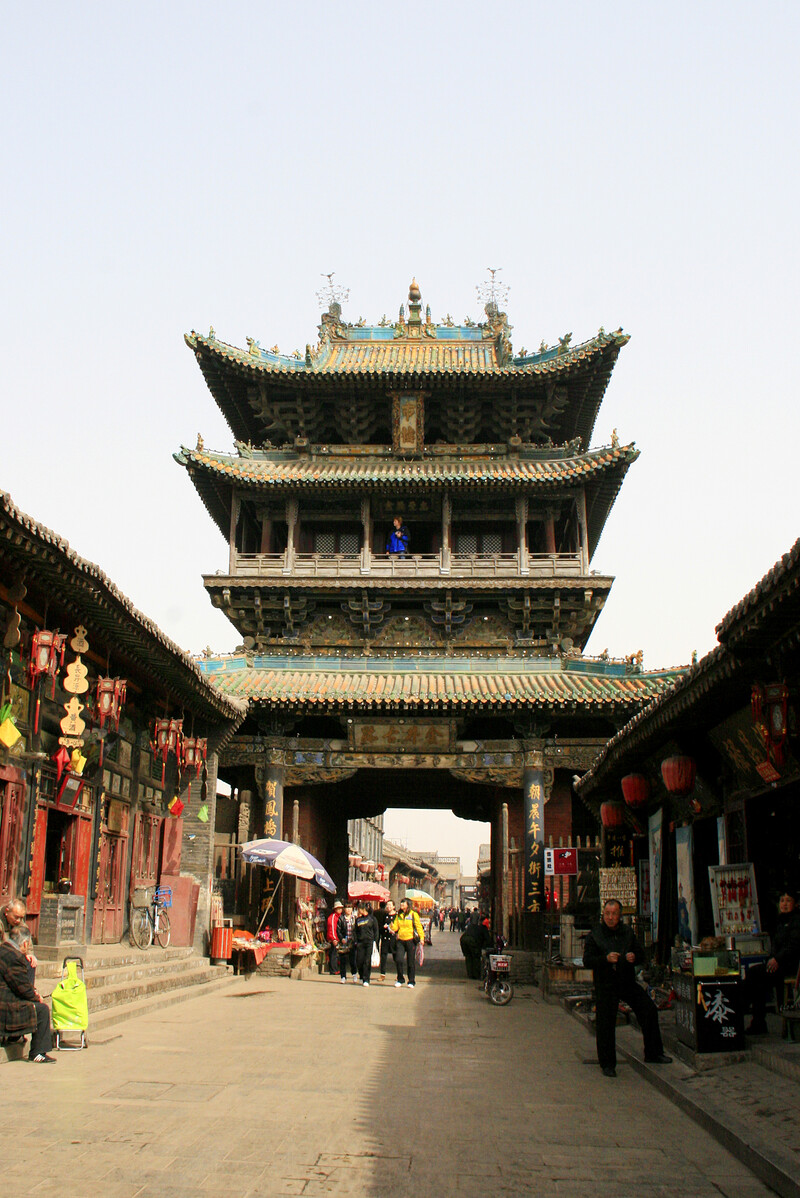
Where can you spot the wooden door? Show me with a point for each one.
(109, 905)
(12, 796)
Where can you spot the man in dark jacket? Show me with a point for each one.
(783, 963)
(474, 940)
(365, 936)
(612, 952)
(21, 1009)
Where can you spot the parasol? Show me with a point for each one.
(419, 897)
(289, 859)
(370, 891)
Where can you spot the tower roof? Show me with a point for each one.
(478, 389)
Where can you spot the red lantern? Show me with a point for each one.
(167, 738)
(47, 657)
(770, 706)
(195, 749)
(679, 774)
(635, 790)
(612, 815)
(109, 697)
(363, 866)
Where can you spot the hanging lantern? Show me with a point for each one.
(612, 815)
(770, 706)
(109, 698)
(635, 790)
(47, 655)
(167, 738)
(195, 749)
(679, 774)
(62, 760)
(363, 866)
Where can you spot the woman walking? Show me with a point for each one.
(345, 944)
(388, 938)
(407, 926)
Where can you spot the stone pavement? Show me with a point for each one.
(277, 1087)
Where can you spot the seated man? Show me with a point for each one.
(782, 963)
(12, 914)
(21, 1007)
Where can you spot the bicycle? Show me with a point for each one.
(152, 923)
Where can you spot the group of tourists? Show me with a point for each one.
(363, 939)
(22, 1009)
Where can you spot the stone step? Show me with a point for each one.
(124, 973)
(116, 993)
(109, 956)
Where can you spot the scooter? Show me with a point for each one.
(497, 982)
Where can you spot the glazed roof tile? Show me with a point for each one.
(781, 581)
(368, 351)
(309, 689)
(338, 471)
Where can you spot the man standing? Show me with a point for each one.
(330, 936)
(365, 936)
(397, 544)
(612, 953)
(345, 943)
(388, 941)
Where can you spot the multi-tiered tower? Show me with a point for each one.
(462, 660)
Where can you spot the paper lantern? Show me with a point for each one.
(612, 815)
(679, 774)
(635, 790)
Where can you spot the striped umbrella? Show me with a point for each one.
(289, 859)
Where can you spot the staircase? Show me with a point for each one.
(122, 982)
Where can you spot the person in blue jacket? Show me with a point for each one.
(398, 538)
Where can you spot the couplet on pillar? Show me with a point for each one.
(273, 802)
(533, 790)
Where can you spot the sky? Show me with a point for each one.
(169, 167)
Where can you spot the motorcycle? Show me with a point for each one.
(497, 981)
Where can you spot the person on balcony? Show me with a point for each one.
(397, 545)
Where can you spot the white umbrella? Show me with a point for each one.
(289, 859)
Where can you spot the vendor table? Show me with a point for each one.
(709, 1003)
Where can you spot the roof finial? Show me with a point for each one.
(493, 294)
(414, 304)
(332, 293)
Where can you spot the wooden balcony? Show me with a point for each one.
(415, 565)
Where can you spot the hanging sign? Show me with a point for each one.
(560, 862)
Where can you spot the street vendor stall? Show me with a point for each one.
(250, 950)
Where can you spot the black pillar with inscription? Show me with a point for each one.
(533, 811)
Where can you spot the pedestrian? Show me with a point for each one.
(12, 913)
(782, 964)
(474, 939)
(612, 952)
(345, 944)
(388, 938)
(331, 937)
(441, 919)
(365, 937)
(21, 1006)
(397, 544)
(407, 927)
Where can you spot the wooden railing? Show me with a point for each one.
(414, 565)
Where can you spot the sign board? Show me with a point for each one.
(560, 862)
(734, 899)
(619, 883)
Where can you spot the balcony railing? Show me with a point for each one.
(414, 565)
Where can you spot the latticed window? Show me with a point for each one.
(349, 543)
(325, 542)
(482, 544)
(491, 544)
(329, 542)
(466, 544)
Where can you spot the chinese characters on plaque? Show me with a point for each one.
(533, 789)
(619, 883)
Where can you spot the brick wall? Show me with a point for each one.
(558, 810)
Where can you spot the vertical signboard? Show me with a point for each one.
(273, 802)
(533, 799)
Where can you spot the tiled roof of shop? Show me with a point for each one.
(374, 691)
(45, 553)
(785, 572)
(339, 471)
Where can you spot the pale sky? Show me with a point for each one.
(168, 167)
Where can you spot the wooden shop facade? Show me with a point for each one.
(452, 675)
(109, 735)
(709, 775)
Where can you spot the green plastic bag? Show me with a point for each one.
(70, 1007)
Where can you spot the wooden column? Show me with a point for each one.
(447, 529)
(504, 880)
(292, 518)
(583, 530)
(550, 531)
(521, 506)
(366, 535)
(235, 507)
(266, 534)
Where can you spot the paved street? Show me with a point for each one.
(278, 1088)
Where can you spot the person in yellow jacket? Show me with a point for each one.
(407, 926)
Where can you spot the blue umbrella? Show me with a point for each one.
(289, 859)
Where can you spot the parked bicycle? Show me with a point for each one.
(152, 923)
